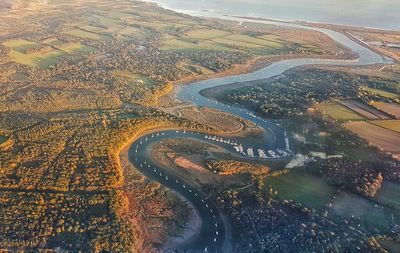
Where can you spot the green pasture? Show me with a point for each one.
(367, 213)
(301, 187)
(338, 112)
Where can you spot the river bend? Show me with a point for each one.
(273, 145)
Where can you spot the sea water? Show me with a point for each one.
(383, 14)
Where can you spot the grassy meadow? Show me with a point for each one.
(42, 58)
(381, 93)
(389, 194)
(338, 111)
(297, 185)
(134, 78)
(379, 214)
(374, 217)
(222, 40)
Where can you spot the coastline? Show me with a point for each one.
(341, 28)
(212, 13)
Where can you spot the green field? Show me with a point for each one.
(132, 26)
(130, 33)
(271, 37)
(54, 42)
(107, 20)
(174, 44)
(37, 59)
(381, 92)
(375, 218)
(216, 39)
(137, 78)
(20, 45)
(229, 38)
(338, 112)
(127, 26)
(153, 25)
(46, 58)
(117, 15)
(76, 48)
(389, 194)
(86, 35)
(194, 68)
(143, 80)
(254, 41)
(93, 29)
(96, 29)
(208, 34)
(297, 185)
(236, 43)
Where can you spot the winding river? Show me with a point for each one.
(273, 145)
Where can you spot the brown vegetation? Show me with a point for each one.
(80, 165)
(186, 157)
(231, 167)
(218, 120)
(64, 183)
(392, 109)
(364, 109)
(384, 42)
(261, 223)
(385, 139)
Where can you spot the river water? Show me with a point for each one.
(381, 14)
(212, 237)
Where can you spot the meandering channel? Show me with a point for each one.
(274, 144)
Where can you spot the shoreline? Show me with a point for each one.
(218, 14)
(190, 232)
(124, 164)
(192, 235)
(341, 28)
(320, 24)
(251, 65)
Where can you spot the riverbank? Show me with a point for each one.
(169, 102)
(136, 188)
(189, 232)
(212, 234)
(236, 70)
(254, 64)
